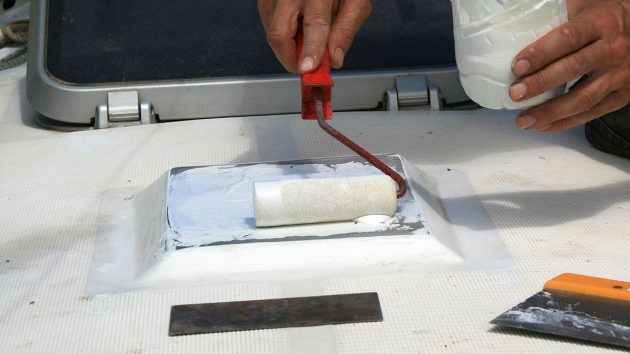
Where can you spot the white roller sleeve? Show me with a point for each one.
(308, 201)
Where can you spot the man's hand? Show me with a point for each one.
(327, 24)
(594, 42)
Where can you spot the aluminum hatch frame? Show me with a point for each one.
(63, 104)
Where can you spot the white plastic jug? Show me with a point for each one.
(488, 36)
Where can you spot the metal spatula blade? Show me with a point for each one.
(585, 308)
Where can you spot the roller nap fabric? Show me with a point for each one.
(309, 201)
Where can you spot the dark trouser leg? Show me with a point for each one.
(611, 133)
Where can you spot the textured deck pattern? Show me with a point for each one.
(560, 206)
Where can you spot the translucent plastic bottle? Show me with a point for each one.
(488, 36)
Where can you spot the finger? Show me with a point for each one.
(316, 22)
(576, 6)
(558, 43)
(561, 71)
(582, 98)
(265, 9)
(613, 102)
(351, 16)
(281, 30)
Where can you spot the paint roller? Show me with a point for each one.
(308, 201)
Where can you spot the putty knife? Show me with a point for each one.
(576, 306)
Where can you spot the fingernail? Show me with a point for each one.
(520, 67)
(339, 56)
(518, 91)
(307, 64)
(525, 121)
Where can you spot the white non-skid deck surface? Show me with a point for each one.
(560, 206)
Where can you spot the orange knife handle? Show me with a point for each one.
(589, 286)
(319, 79)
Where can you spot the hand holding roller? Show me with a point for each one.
(317, 104)
(326, 200)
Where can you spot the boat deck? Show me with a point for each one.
(558, 204)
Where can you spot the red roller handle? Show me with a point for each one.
(316, 105)
(319, 79)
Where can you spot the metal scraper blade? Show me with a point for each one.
(274, 313)
(570, 315)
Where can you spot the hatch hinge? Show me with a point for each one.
(123, 108)
(413, 92)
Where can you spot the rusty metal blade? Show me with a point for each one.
(274, 313)
(580, 317)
